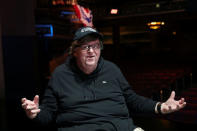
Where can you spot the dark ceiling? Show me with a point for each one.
(125, 2)
(115, 2)
(129, 8)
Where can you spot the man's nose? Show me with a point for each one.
(90, 49)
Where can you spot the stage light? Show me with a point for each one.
(155, 24)
(114, 11)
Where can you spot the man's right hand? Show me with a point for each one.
(31, 107)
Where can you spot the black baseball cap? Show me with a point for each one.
(84, 31)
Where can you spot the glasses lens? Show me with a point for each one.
(87, 47)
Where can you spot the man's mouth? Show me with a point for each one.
(90, 56)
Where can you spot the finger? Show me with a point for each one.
(36, 99)
(23, 100)
(172, 96)
(27, 103)
(183, 105)
(181, 101)
(35, 111)
(30, 107)
(24, 105)
(179, 107)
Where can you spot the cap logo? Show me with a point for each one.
(88, 29)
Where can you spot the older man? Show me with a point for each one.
(88, 93)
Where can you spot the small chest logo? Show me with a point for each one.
(104, 82)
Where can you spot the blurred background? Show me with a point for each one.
(154, 42)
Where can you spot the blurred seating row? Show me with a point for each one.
(150, 80)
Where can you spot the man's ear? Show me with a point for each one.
(101, 44)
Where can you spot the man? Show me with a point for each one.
(88, 93)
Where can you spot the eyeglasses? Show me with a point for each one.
(87, 47)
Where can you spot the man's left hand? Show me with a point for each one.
(171, 105)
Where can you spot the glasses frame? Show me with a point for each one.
(86, 47)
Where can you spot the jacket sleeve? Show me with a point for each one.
(135, 102)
